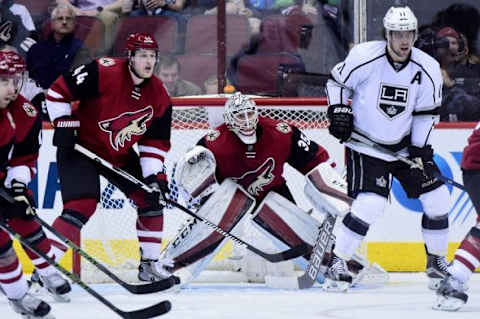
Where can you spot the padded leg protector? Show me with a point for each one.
(286, 225)
(196, 244)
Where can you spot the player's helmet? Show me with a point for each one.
(137, 41)
(12, 65)
(400, 19)
(241, 116)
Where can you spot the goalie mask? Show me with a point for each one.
(402, 22)
(241, 116)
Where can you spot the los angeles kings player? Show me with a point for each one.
(396, 92)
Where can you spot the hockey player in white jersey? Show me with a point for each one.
(395, 92)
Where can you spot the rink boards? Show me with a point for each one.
(394, 242)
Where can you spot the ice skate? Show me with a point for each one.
(437, 269)
(337, 277)
(450, 295)
(54, 284)
(156, 270)
(31, 307)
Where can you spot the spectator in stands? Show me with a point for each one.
(60, 53)
(168, 70)
(268, 41)
(461, 78)
(462, 17)
(170, 8)
(108, 11)
(16, 26)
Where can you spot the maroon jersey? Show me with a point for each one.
(20, 126)
(114, 113)
(471, 153)
(259, 167)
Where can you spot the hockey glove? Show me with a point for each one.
(158, 182)
(65, 134)
(23, 205)
(423, 156)
(341, 121)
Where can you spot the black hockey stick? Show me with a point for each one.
(153, 311)
(134, 289)
(363, 140)
(322, 244)
(291, 253)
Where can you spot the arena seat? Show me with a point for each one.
(259, 73)
(197, 68)
(201, 35)
(164, 29)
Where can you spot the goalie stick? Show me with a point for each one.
(153, 311)
(291, 253)
(134, 289)
(318, 252)
(363, 140)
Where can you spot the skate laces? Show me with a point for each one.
(441, 263)
(339, 266)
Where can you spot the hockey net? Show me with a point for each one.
(110, 234)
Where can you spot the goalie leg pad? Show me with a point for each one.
(286, 225)
(327, 190)
(227, 208)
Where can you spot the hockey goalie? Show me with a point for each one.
(234, 174)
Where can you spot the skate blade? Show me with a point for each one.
(48, 316)
(335, 286)
(448, 304)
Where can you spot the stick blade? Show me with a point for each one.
(158, 309)
(156, 286)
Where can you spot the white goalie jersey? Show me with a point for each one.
(394, 105)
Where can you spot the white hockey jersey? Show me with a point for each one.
(393, 105)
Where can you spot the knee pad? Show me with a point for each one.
(436, 202)
(368, 207)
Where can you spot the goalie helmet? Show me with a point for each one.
(400, 19)
(241, 116)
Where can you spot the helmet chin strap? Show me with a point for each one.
(252, 139)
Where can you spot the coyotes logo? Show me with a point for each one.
(255, 180)
(122, 127)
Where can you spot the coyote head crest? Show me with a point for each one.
(255, 180)
(122, 127)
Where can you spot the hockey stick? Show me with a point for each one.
(291, 253)
(363, 140)
(155, 310)
(318, 252)
(134, 289)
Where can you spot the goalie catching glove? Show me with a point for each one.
(23, 204)
(341, 121)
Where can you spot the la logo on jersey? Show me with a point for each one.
(393, 100)
(254, 181)
(122, 127)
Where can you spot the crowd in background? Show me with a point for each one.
(277, 38)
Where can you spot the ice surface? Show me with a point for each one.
(406, 296)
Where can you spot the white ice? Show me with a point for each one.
(406, 296)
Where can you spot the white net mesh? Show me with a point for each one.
(110, 234)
